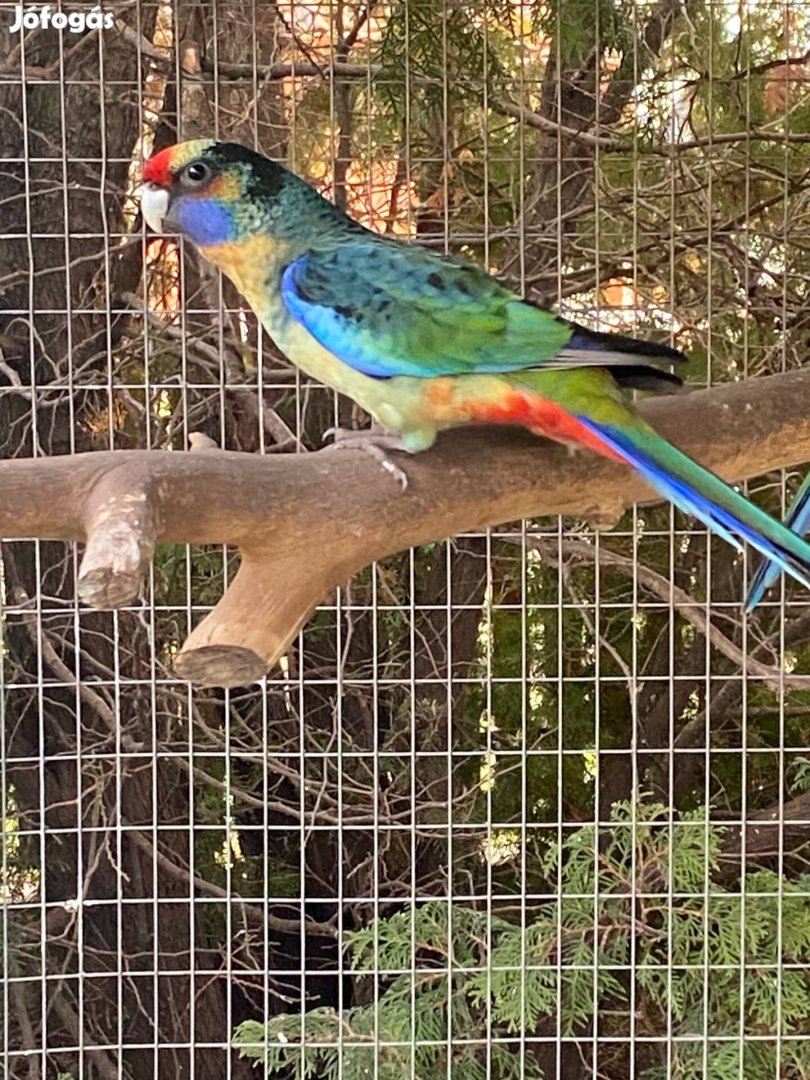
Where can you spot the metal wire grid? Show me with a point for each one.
(139, 934)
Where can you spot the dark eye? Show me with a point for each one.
(197, 172)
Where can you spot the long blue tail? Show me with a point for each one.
(798, 519)
(708, 498)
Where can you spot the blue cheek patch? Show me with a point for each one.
(204, 221)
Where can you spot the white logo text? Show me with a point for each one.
(75, 21)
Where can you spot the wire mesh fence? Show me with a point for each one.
(529, 802)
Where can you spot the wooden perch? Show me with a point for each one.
(305, 523)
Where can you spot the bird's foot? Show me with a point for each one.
(373, 442)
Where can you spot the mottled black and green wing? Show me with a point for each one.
(387, 309)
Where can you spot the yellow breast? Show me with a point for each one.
(248, 263)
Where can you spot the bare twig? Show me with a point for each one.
(254, 913)
(691, 609)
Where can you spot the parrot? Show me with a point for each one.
(423, 341)
(797, 519)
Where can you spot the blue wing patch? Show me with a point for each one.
(337, 327)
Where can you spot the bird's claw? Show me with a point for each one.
(373, 443)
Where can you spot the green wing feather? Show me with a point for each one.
(386, 309)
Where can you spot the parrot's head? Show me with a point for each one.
(212, 192)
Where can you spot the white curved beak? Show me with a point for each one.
(154, 206)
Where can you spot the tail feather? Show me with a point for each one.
(657, 351)
(798, 520)
(708, 498)
(641, 377)
(636, 364)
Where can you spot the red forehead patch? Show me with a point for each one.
(158, 169)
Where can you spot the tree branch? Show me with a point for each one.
(306, 523)
(760, 834)
(618, 145)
